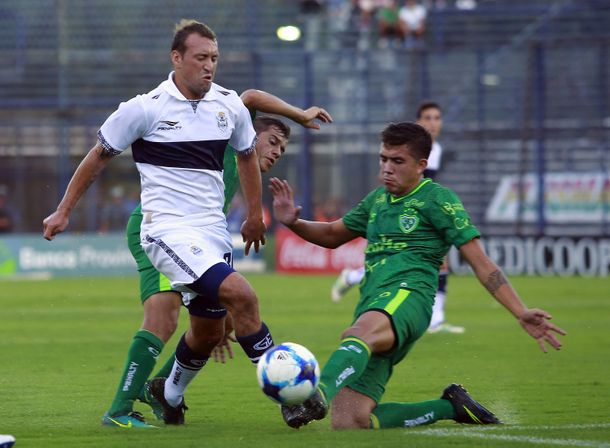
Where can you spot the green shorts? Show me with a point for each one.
(151, 280)
(409, 313)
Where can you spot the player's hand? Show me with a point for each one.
(253, 232)
(312, 114)
(224, 349)
(55, 223)
(535, 322)
(283, 201)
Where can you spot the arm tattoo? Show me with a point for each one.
(494, 281)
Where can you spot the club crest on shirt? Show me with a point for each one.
(222, 121)
(408, 222)
(196, 250)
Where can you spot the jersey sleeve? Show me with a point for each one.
(451, 219)
(243, 138)
(127, 124)
(357, 219)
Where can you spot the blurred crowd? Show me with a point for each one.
(364, 23)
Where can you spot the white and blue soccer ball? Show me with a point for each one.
(288, 373)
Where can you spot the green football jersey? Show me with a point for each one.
(230, 175)
(409, 236)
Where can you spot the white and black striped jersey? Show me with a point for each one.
(178, 146)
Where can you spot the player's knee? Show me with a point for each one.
(240, 300)
(353, 331)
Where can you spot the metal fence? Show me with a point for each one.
(526, 98)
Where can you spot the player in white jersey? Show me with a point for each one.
(429, 115)
(178, 133)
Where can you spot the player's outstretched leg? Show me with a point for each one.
(314, 408)
(171, 415)
(467, 409)
(348, 278)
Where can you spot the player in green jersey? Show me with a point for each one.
(161, 304)
(430, 116)
(409, 223)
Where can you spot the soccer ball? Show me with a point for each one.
(288, 373)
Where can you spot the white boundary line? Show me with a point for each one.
(535, 427)
(483, 433)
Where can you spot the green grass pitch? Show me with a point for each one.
(63, 342)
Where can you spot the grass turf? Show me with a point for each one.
(63, 342)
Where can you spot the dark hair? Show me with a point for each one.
(417, 139)
(264, 122)
(425, 106)
(185, 28)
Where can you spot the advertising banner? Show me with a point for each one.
(87, 255)
(294, 254)
(568, 198)
(546, 256)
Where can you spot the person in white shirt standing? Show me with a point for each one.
(430, 116)
(412, 22)
(178, 133)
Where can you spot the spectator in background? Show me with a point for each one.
(413, 24)
(358, 30)
(388, 21)
(7, 217)
(311, 11)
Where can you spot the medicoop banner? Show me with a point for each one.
(546, 256)
(86, 255)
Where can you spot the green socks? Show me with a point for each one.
(344, 366)
(141, 358)
(405, 415)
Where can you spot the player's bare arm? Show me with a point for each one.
(86, 173)
(253, 228)
(534, 321)
(258, 100)
(325, 234)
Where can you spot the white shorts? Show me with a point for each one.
(183, 254)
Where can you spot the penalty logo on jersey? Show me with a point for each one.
(408, 223)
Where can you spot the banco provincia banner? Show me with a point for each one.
(87, 254)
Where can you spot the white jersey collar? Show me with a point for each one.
(170, 87)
